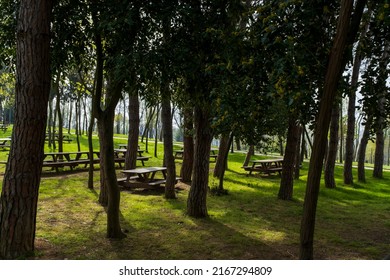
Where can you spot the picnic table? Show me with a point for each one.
(5, 142)
(266, 166)
(143, 177)
(120, 155)
(124, 146)
(180, 153)
(4, 127)
(70, 159)
(65, 138)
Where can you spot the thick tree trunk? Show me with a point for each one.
(362, 151)
(196, 202)
(330, 161)
(18, 202)
(132, 140)
(188, 142)
(345, 34)
(106, 133)
(238, 143)
(287, 180)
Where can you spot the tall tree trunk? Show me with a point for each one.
(78, 123)
(341, 127)
(196, 202)
(188, 143)
(287, 180)
(70, 116)
(298, 154)
(349, 141)
(330, 161)
(156, 132)
(132, 140)
(238, 143)
(58, 110)
(223, 164)
(379, 142)
(106, 133)
(345, 34)
(166, 119)
(362, 151)
(19, 196)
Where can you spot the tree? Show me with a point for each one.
(345, 35)
(19, 197)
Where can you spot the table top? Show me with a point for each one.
(69, 153)
(5, 139)
(267, 160)
(144, 170)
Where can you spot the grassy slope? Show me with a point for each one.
(249, 223)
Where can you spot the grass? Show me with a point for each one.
(353, 222)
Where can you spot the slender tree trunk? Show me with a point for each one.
(379, 143)
(224, 145)
(349, 141)
(132, 141)
(224, 164)
(341, 154)
(362, 151)
(19, 196)
(298, 154)
(249, 154)
(166, 119)
(330, 161)
(156, 132)
(345, 34)
(70, 116)
(58, 110)
(238, 143)
(196, 202)
(188, 142)
(78, 123)
(287, 180)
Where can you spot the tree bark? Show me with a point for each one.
(345, 34)
(223, 150)
(298, 154)
(19, 197)
(132, 140)
(249, 154)
(349, 141)
(379, 142)
(362, 151)
(169, 160)
(196, 202)
(330, 161)
(188, 149)
(287, 180)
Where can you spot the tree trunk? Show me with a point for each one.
(106, 133)
(223, 164)
(169, 160)
(249, 154)
(287, 180)
(59, 114)
(132, 140)
(345, 34)
(156, 132)
(223, 150)
(238, 143)
(362, 151)
(379, 142)
(188, 142)
(349, 141)
(341, 154)
(18, 202)
(196, 202)
(78, 123)
(70, 116)
(330, 161)
(298, 154)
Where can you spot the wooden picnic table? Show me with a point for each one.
(266, 166)
(120, 154)
(124, 146)
(143, 177)
(70, 159)
(180, 153)
(5, 142)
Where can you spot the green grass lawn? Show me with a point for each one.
(353, 222)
